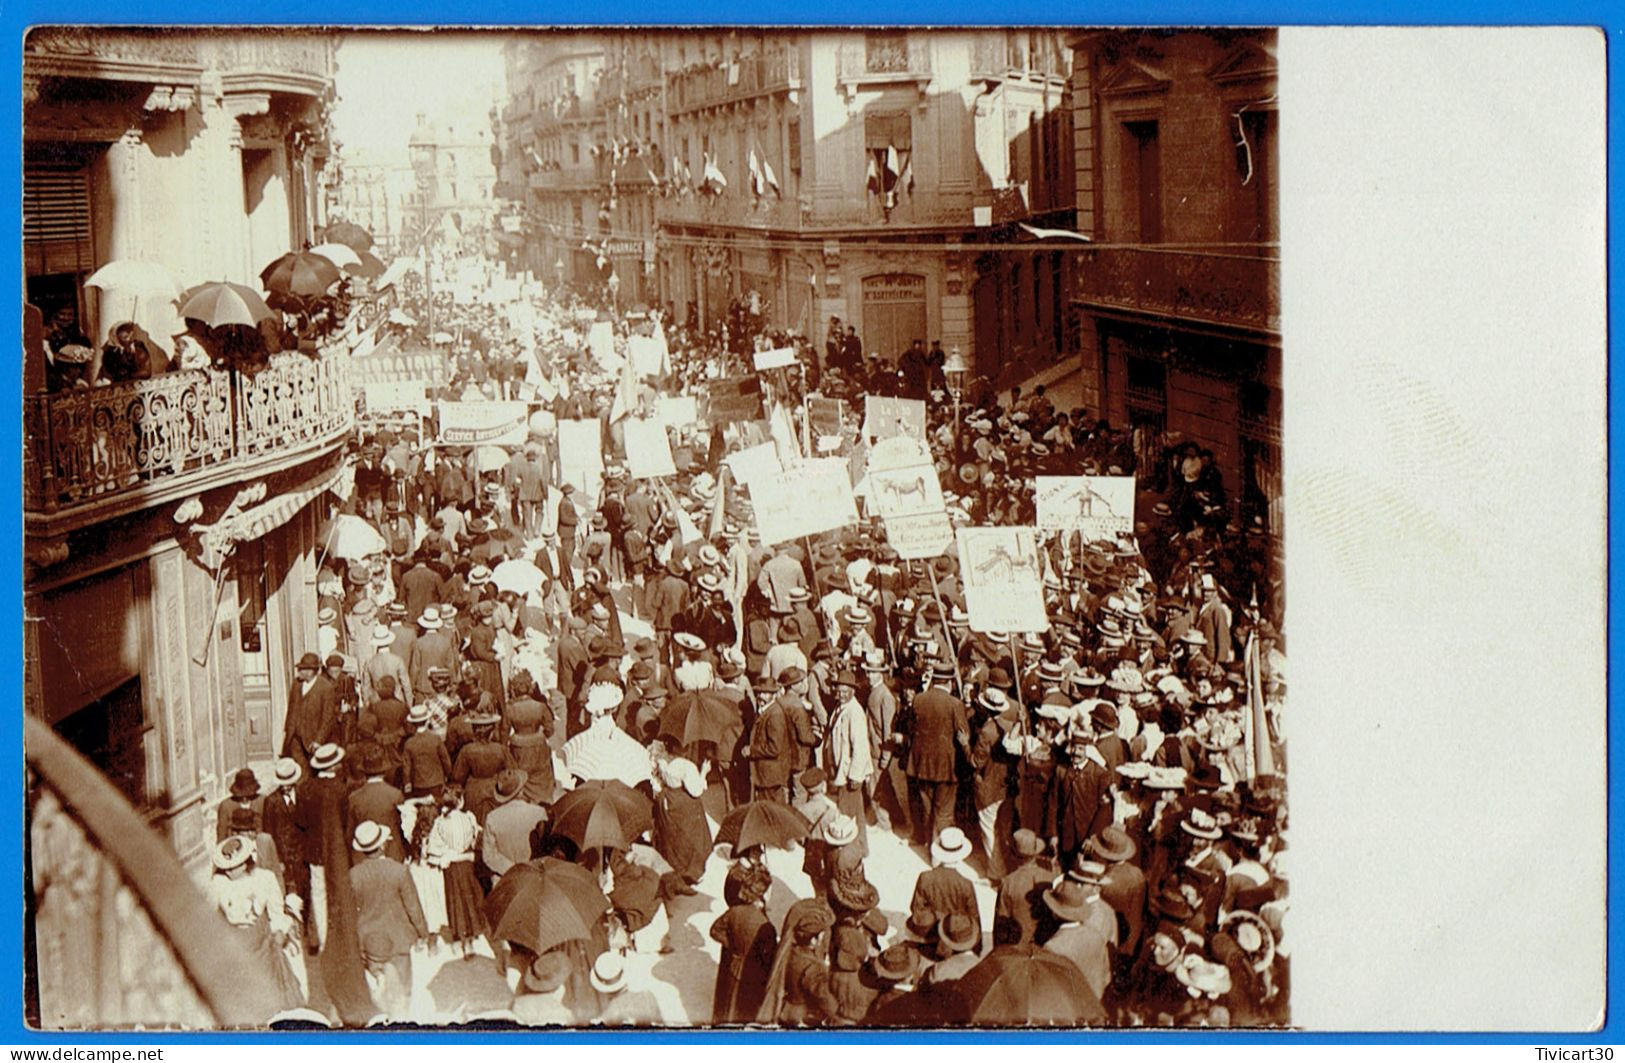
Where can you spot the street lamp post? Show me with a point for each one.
(956, 369)
(423, 149)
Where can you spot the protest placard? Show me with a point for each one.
(812, 498)
(581, 454)
(1003, 580)
(646, 355)
(1099, 507)
(648, 449)
(752, 463)
(826, 416)
(601, 341)
(777, 358)
(884, 417)
(393, 396)
(466, 424)
(733, 399)
(678, 411)
(904, 490)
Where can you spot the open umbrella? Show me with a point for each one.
(300, 275)
(701, 716)
(762, 823)
(604, 814)
(341, 255)
(353, 538)
(369, 266)
(545, 903)
(442, 337)
(219, 303)
(136, 278)
(348, 233)
(518, 576)
(491, 458)
(1027, 985)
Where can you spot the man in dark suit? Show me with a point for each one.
(387, 905)
(1016, 910)
(568, 519)
(435, 648)
(313, 711)
(937, 727)
(377, 801)
(573, 666)
(320, 812)
(508, 827)
(945, 889)
(772, 752)
(279, 817)
(425, 761)
(421, 586)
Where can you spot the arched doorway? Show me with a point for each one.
(893, 313)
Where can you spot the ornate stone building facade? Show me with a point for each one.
(171, 524)
(1180, 330)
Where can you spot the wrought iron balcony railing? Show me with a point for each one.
(757, 74)
(86, 445)
(1240, 289)
(122, 938)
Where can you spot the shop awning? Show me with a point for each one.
(259, 521)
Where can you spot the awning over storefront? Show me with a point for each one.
(258, 521)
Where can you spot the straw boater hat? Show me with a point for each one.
(369, 837)
(993, 700)
(288, 772)
(689, 642)
(950, 848)
(842, 830)
(326, 757)
(233, 852)
(609, 973)
(326, 615)
(418, 713)
(1199, 823)
(382, 636)
(430, 620)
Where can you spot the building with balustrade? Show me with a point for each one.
(171, 524)
(1179, 308)
(892, 168)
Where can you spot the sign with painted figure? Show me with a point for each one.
(648, 449)
(752, 463)
(813, 498)
(1099, 507)
(502, 424)
(903, 490)
(392, 396)
(733, 399)
(884, 417)
(777, 358)
(1003, 579)
(678, 411)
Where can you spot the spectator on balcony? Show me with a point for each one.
(128, 355)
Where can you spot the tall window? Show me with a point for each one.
(1143, 169)
(58, 248)
(1254, 133)
(793, 134)
(889, 141)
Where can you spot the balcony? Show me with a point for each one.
(883, 59)
(113, 55)
(91, 454)
(757, 74)
(733, 209)
(999, 57)
(122, 938)
(1240, 291)
(294, 63)
(565, 110)
(568, 178)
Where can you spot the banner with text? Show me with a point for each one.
(812, 498)
(884, 417)
(387, 363)
(394, 396)
(777, 358)
(1099, 507)
(905, 492)
(581, 455)
(466, 424)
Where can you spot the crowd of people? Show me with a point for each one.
(542, 714)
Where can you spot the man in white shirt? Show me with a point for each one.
(847, 753)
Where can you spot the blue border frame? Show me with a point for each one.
(14, 22)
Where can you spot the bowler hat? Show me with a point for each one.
(309, 663)
(245, 784)
(1068, 900)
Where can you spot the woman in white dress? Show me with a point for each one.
(253, 905)
(417, 821)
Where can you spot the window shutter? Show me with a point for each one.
(56, 220)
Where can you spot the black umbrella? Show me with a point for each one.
(1027, 985)
(350, 235)
(763, 823)
(545, 903)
